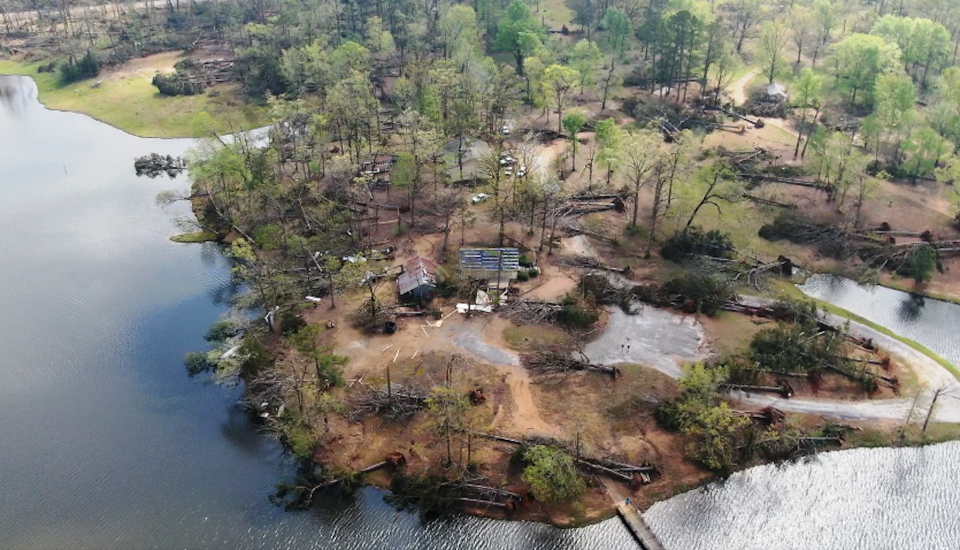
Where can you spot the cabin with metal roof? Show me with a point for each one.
(418, 280)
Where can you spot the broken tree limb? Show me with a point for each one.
(498, 438)
(603, 469)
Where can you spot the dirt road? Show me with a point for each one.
(738, 90)
(526, 419)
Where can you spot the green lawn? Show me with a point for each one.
(132, 104)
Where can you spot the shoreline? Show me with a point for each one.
(795, 292)
(140, 110)
(602, 513)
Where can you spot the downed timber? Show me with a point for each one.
(769, 202)
(626, 467)
(783, 391)
(821, 440)
(895, 233)
(498, 438)
(410, 313)
(612, 473)
(588, 208)
(374, 467)
(738, 128)
(558, 359)
(480, 502)
(595, 196)
(494, 490)
(530, 311)
(778, 179)
(586, 261)
(892, 382)
(578, 230)
(758, 123)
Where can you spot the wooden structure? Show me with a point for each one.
(418, 280)
(638, 527)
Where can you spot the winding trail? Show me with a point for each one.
(738, 90)
(525, 418)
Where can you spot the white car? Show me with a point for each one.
(480, 197)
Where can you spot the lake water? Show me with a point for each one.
(933, 323)
(105, 442)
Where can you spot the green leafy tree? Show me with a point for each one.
(515, 32)
(552, 474)
(608, 148)
(803, 29)
(639, 153)
(924, 150)
(619, 30)
(328, 365)
(558, 84)
(446, 407)
(921, 264)
(770, 50)
(459, 31)
(574, 122)
(922, 42)
(585, 58)
(718, 434)
(806, 94)
(719, 184)
(895, 100)
(858, 60)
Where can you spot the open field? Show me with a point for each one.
(127, 100)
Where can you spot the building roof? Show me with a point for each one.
(775, 90)
(473, 150)
(418, 271)
(489, 259)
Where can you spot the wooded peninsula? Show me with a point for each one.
(522, 259)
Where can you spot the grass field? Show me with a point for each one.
(128, 101)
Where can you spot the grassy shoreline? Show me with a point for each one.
(789, 289)
(129, 102)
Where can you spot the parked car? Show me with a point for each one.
(480, 197)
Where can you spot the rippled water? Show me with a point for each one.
(933, 323)
(851, 500)
(105, 442)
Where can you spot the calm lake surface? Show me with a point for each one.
(105, 442)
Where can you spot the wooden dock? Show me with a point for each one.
(632, 519)
(641, 531)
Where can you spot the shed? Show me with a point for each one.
(775, 92)
(418, 280)
(492, 264)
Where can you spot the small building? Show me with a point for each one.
(463, 159)
(775, 92)
(418, 280)
(498, 266)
